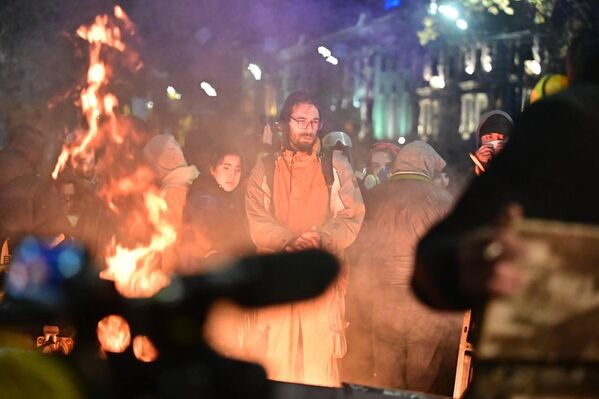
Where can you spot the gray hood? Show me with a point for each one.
(419, 157)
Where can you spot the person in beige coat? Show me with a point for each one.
(301, 198)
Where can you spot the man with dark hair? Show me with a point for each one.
(547, 168)
(298, 198)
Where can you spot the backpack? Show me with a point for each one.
(326, 162)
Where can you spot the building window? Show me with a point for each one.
(428, 118)
(472, 106)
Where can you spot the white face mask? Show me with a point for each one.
(495, 143)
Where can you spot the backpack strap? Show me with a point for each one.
(326, 162)
(269, 173)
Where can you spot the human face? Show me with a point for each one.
(303, 139)
(378, 160)
(228, 173)
(486, 138)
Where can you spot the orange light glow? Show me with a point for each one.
(132, 269)
(114, 334)
(128, 188)
(144, 349)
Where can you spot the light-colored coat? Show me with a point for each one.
(305, 339)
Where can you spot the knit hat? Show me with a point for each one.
(494, 122)
(163, 154)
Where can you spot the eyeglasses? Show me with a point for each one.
(304, 123)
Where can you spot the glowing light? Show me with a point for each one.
(134, 267)
(143, 349)
(487, 61)
(208, 89)
(325, 52)
(532, 67)
(113, 334)
(332, 60)
(437, 82)
(449, 11)
(256, 71)
(469, 69)
(462, 24)
(401, 140)
(150, 104)
(433, 8)
(172, 93)
(356, 103)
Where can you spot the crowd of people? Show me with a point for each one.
(369, 327)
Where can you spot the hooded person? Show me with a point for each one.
(29, 202)
(165, 157)
(492, 133)
(413, 347)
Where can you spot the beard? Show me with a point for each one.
(304, 146)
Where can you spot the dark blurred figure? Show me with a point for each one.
(29, 202)
(413, 347)
(82, 208)
(456, 267)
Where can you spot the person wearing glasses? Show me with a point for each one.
(298, 198)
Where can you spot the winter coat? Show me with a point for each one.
(411, 345)
(345, 209)
(214, 223)
(304, 340)
(29, 203)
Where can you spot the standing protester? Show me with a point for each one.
(382, 156)
(413, 347)
(492, 134)
(163, 154)
(301, 198)
(214, 222)
(215, 230)
(455, 267)
(29, 202)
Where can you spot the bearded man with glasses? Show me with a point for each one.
(298, 198)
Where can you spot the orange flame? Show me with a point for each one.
(113, 334)
(133, 270)
(144, 349)
(101, 33)
(128, 189)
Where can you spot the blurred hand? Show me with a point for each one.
(488, 259)
(485, 153)
(308, 240)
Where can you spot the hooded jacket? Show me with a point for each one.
(401, 211)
